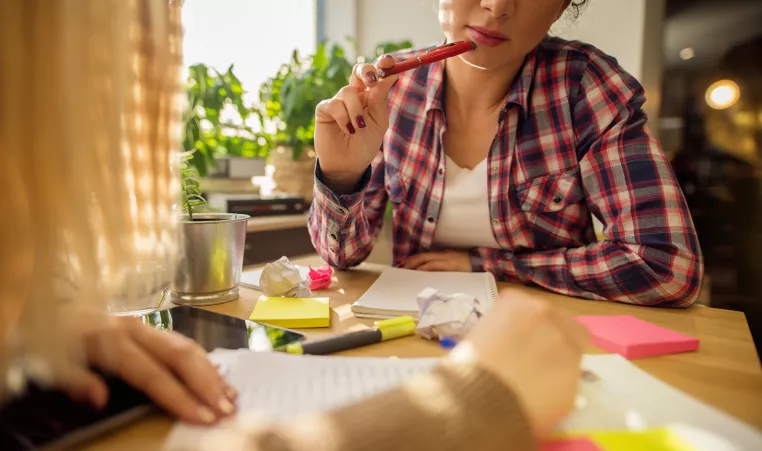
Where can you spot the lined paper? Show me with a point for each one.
(285, 385)
(614, 395)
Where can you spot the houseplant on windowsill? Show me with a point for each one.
(210, 246)
(218, 124)
(289, 100)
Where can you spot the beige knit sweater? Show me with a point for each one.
(450, 408)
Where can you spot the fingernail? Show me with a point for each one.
(351, 128)
(371, 77)
(361, 121)
(206, 415)
(231, 393)
(226, 406)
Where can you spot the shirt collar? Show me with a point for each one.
(433, 80)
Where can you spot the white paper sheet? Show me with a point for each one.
(624, 397)
(250, 279)
(283, 385)
(620, 396)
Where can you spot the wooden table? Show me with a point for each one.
(724, 373)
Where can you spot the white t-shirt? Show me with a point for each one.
(464, 219)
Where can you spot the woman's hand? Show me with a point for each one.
(350, 127)
(535, 349)
(170, 368)
(459, 261)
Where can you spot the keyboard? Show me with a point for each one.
(48, 420)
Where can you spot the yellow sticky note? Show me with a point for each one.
(652, 439)
(660, 439)
(296, 313)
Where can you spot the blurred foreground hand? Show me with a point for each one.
(535, 349)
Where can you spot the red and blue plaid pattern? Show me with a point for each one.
(572, 143)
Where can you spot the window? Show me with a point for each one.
(255, 35)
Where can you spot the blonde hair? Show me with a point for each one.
(89, 127)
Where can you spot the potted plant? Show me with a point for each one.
(210, 246)
(218, 125)
(289, 99)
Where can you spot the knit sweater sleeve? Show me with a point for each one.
(450, 408)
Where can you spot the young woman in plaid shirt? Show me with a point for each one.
(498, 160)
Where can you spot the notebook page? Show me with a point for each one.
(397, 289)
(283, 385)
(620, 396)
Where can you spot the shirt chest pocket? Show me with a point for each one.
(553, 210)
(550, 193)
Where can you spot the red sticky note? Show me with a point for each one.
(570, 444)
(634, 338)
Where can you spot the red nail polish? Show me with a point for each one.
(361, 121)
(351, 128)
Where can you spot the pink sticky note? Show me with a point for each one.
(570, 444)
(320, 278)
(634, 338)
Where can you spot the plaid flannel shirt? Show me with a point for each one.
(572, 142)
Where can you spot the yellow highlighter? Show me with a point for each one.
(388, 329)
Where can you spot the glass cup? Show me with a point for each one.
(142, 290)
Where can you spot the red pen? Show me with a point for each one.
(432, 56)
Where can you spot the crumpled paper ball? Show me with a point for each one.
(320, 278)
(449, 316)
(281, 278)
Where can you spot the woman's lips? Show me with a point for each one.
(486, 37)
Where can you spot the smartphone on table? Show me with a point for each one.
(49, 420)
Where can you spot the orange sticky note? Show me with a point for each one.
(634, 338)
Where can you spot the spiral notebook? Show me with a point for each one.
(394, 292)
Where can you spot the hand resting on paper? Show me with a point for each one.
(459, 261)
(535, 349)
(170, 368)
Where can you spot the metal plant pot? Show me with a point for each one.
(210, 258)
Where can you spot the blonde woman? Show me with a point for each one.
(88, 135)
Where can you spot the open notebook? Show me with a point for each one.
(394, 292)
(616, 396)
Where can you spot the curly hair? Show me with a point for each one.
(576, 7)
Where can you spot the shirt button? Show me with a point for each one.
(495, 167)
(430, 219)
(441, 171)
(496, 221)
(342, 211)
(333, 236)
(557, 200)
